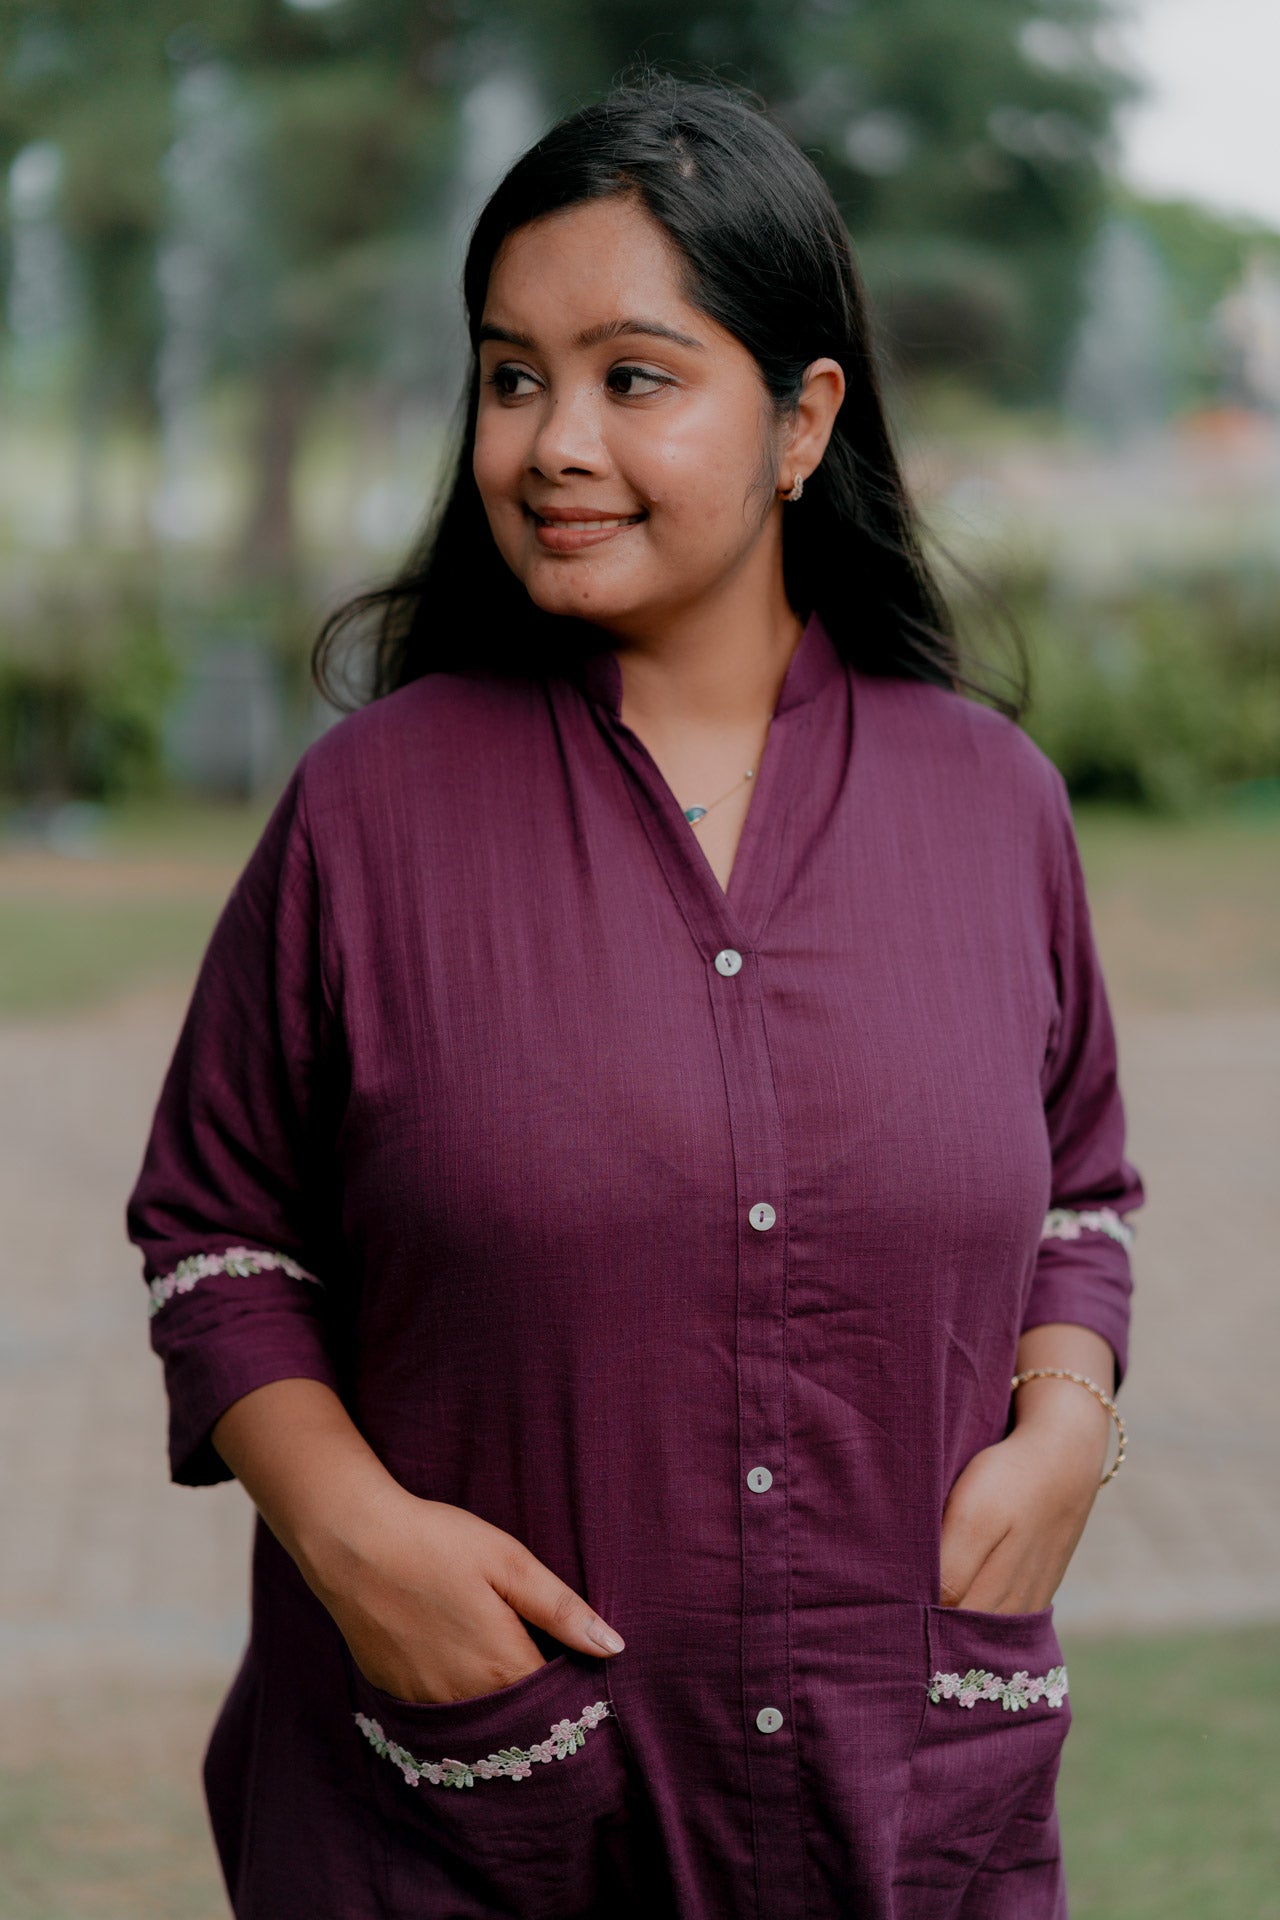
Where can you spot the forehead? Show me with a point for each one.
(589, 264)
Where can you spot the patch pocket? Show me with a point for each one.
(521, 1801)
(985, 1761)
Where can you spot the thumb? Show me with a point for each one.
(542, 1598)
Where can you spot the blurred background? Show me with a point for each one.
(230, 347)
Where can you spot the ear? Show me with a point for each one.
(813, 419)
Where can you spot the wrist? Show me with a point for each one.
(1068, 1420)
(1061, 1406)
(335, 1540)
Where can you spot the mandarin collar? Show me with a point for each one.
(813, 665)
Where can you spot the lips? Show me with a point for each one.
(582, 518)
(570, 529)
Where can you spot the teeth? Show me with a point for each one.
(583, 526)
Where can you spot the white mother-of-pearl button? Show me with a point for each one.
(762, 1216)
(759, 1479)
(728, 962)
(768, 1719)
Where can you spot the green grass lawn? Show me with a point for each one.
(1170, 1787)
(80, 1844)
(77, 931)
(1170, 1793)
(57, 955)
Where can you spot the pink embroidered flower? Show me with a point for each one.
(512, 1763)
(1013, 1695)
(242, 1262)
(1068, 1223)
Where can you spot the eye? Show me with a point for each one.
(621, 380)
(503, 380)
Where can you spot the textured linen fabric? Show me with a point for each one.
(461, 1051)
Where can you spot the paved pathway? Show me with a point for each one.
(109, 1573)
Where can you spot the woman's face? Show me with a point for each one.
(626, 451)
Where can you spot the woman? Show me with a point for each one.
(648, 1091)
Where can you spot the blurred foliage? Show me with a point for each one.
(293, 179)
(1204, 255)
(1166, 695)
(987, 126)
(355, 122)
(83, 699)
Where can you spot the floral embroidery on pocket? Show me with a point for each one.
(1068, 1223)
(1022, 1691)
(236, 1260)
(509, 1763)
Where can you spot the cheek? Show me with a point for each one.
(496, 462)
(696, 476)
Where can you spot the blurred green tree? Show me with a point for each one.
(967, 146)
(356, 121)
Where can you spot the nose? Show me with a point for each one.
(568, 438)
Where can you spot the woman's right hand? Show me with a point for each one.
(428, 1597)
(432, 1602)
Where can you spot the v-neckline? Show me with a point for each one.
(739, 910)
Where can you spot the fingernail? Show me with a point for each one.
(606, 1637)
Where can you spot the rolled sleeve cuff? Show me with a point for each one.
(226, 1336)
(1084, 1282)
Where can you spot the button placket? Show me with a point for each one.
(760, 1170)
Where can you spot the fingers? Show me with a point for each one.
(970, 1538)
(541, 1597)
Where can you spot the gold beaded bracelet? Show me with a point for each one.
(1063, 1373)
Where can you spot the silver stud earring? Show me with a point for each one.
(797, 488)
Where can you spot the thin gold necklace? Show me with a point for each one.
(694, 814)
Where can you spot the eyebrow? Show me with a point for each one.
(591, 336)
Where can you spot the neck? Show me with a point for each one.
(716, 665)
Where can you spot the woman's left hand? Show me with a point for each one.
(1016, 1512)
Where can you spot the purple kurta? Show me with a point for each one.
(687, 1236)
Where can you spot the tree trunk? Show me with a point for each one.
(269, 547)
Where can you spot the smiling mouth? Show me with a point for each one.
(586, 524)
(570, 531)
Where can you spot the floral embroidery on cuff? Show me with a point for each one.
(237, 1260)
(1022, 1691)
(509, 1763)
(1065, 1223)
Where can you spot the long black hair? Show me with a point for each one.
(766, 254)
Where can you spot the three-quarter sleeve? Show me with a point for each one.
(231, 1208)
(1082, 1272)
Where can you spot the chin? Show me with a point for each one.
(579, 598)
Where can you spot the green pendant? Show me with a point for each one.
(693, 813)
